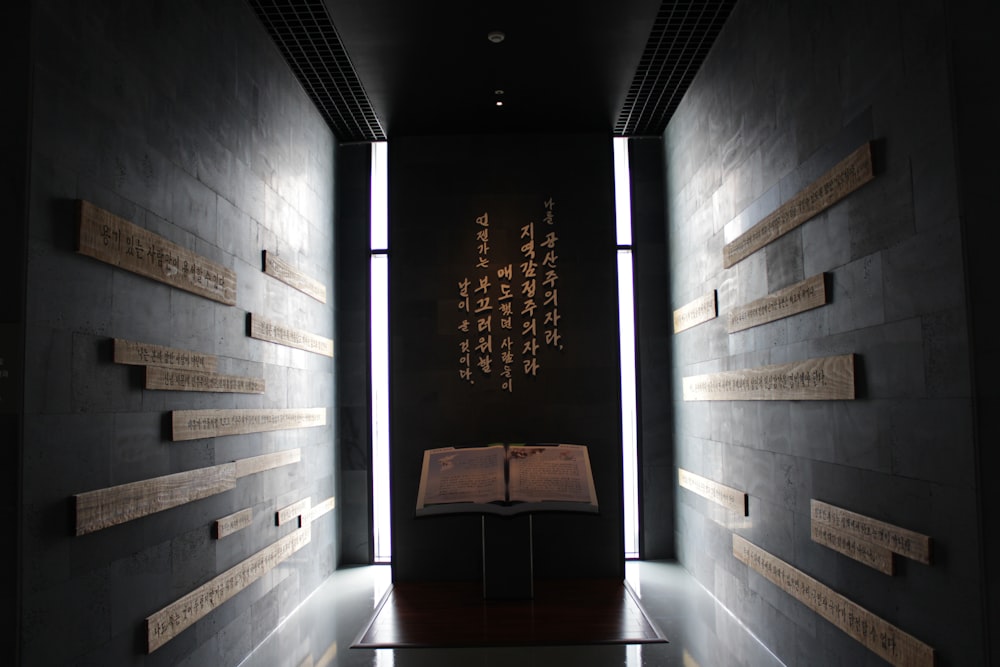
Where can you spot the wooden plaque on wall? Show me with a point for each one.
(842, 179)
(904, 542)
(176, 617)
(233, 523)
(116, 241)
(147, 354)
(822, 378)
(728, 497)
(700, 310)
(874, 633)
(288, 274)
(863, 551)
(171, 379)
(274, 332)
(194, 424)
(296, 510)
(113, 505)
(800, 297)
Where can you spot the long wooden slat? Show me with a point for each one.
(274, 332)
(176, 617)
(288, 274)
(194, 424)
(728, 497)
(822, 378)
(700, 310)
(904, 542)
(863, 551)
(297, 510)
(798, 298)
(117, 504)
(873, 632)
(322, 508)
(113, 505)
(841, 180)
(116, 241)
(233, 523)
(147, 354)
(256, 464)
(170, 379)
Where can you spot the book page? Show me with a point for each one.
(472, 475)
(546, 473)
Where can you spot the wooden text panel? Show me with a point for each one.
(194, 424)
(874, 633)
(235, 522)
(720, 494)
(256, 464)
(273, 332)
(898, 540)
(105, 236)
(822, 378)
(170, 379)
(288, 274)
(852, 546)
(322, 508)
(107, 507)
(147, 354)
(297, 509)
(803, 296)
(176, 617)
(842, 179)
(700, 310)
(102, 508)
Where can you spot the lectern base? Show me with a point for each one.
(507, 564)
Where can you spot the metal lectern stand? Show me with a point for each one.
(507, 567)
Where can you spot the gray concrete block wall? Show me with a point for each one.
(788, 90)
(182, 118)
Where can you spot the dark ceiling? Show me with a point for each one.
(378, 69)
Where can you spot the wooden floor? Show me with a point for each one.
(454, 614)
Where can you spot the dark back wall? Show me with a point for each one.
(438, 188)
(181, 117)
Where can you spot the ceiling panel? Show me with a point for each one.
(383, 68)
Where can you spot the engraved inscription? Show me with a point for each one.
(256, 464)
(851, 546)
(720, 494)
(273, 332)
(184, 380)
(803, 296)
(844, 178)
(147, 354)
(904, 542)
(823, 378)
(700, 310)
(173, 619)
(874, 633)
(288, 274)
(235, 522)
(322, 508)
(107, 507)
(110, 506)
(116, 241)
(298, 509)
(193, 424)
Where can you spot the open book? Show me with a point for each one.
(506, 479)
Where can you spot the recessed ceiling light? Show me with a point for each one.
(495, 36)
(499, 103)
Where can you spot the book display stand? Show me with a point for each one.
(507, 557)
